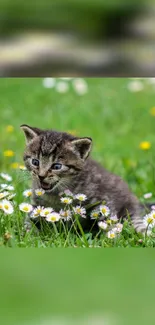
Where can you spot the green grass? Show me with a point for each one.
(116, 119)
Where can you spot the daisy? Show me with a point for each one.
(53, 217)
(62, 87)
(103, 225)
(94, 214)
(118, 228)
(37, 212)
(152, 214)
(111, 234)
(65, 214)
(39, 192)
(25, 207)
(7, 207)
(6, 177)
(10, 188)
(114, 218)
(147, 195)
(68, 193)
(104, 210)
(149, 220)
(66, 200)
(3, 194)
(49, 82)
(81, 197)
(11, 196)
(153, 207)
(4, 186)
(27, 193)
(80, 86)
(45, 212)
(80, 210)
(135, 86)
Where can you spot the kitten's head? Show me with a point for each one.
(54, 157)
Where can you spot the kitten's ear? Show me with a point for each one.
(83, 146)
(30, 132)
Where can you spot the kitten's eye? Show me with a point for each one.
(35, 162)
(56, 166)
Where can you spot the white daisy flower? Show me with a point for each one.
(104, 210)
(151, 80)
(39, 192)
(94, 214)
(49, 82)
(53, 217)
(66, 200)
(62, 87)
(6, 177)
(80, 86)
(149, 221)
(11, 196)
(37, 212)
(135, 86)
(65, 214)
(114, 218)
(25, 207)
(103, 225)
(45, 212)
(152, 214)
(10, 188)
(68, 193)
(3, 194)
(147, 195)
(153, 207)
(118, 228)
(81, 197)
(7, 207)
(27, 193)
(111, 234)
(80, 210)
(4, 186)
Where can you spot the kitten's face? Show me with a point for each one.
(54, 157)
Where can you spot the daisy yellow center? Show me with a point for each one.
(150, 220)
(26, 209)
(29, 193)
(39, 193)
(104, 210)
(46, 212)
(78, 210)
(109, 222)
(6, 206)
(66, 201)
(53, 218)
(95, 214)
(112, 236)
(153, 215)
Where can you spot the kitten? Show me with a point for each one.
(59, 161)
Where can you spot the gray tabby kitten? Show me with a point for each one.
(59, 161)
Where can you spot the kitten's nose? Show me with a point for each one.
(41, 178)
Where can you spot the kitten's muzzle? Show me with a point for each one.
(44, 185)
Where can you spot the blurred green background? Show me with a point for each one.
(77, 287)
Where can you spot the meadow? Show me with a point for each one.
(119, 115)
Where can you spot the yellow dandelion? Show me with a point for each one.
(145, 145)
(72, 132)
(152, 111)
(9, 128)
(14, 165)
(8, 153)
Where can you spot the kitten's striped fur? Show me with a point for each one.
(79, 174)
